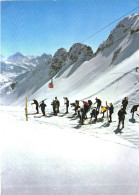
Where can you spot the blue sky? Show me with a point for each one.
(37, 27)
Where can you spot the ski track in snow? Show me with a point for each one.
(69, 122)
(101, 129)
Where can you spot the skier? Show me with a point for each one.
(111, 110)
(43, 105)
(67, 104)
(37, 105)
(76, 106)
(87, 106)
(134, 108)
(121, 114)
(55, 107)
(98, 101)
(84, 110)
(58, 104)
(124, 103)
(94, 113)
(103, 110)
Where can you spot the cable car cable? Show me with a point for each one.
(109, 24)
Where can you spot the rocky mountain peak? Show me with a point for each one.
(58, 61)
(126, 25)
(123, 30)
(77, 52)
(16, 58)
(45, 56)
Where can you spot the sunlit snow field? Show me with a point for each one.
(55, 155)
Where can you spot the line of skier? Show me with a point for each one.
(87, 106)
(42, 105)
(81, 112)
(55, 105)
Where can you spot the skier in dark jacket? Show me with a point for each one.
(111, 111)
(124, 103)
(43, 105)
(76, 106)
(134, 108)
(55, 107)
(98, 101)
(121, 115)
(84, 110)
(37, 105)
(67, 104)
(87, 106)
(94, 113)
(58, 104)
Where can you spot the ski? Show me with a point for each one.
(33, 113)
(39, 116)
(42, 100)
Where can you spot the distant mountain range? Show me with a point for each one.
(19, 58)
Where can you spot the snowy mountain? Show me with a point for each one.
(123, 36)
(58, 61)
(82, 74)
(17, 58)
(16, 67)
(47, 67)
(38, 59)
(112, 64)
(77, 53)
(1, 58)
(20, 59)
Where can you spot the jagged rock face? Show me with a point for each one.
(58, 61)
(125, 27)
(77, 52)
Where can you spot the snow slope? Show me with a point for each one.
(54, 155)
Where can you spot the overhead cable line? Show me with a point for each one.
(109, 24)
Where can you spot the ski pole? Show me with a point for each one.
(107, 111)
(26, 111)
